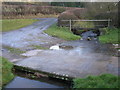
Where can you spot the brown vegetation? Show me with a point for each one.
(94, 11)
(17, 11)
(73, 14)
(103, 10)
(113, 15)
(66, 16)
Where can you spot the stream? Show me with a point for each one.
(21, 82)
(27, 80)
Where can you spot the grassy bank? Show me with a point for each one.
(102, 81)
(7, 74)
(0, 72)
(61, 32)
(111, 36)
(12, 24)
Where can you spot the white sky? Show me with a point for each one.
(61, 0)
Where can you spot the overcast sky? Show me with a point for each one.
(61, 0)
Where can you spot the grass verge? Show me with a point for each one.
(7, 74)
(12, 24)
(110, 37)
(61, 32)
(102, 81)
(39, 47)
(14, 50)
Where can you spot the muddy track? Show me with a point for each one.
(31, 35)
(27, 37)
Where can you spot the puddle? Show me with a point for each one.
(92, 46)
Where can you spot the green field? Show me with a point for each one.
(7, 74)
(61, 32)
(13, 24)
(111, 36)
(102, 81)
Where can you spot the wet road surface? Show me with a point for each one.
(31, 35)
(26, 37)
(79, 61)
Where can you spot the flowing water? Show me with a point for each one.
(21, 82)
(27, 80)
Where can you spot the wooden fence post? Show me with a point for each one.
(108, 23)
(70, 24)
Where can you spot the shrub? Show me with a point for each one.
(103, 10)
(73, 14)
(14, 11)
(66, 16)
(79, 13)
(112, 15)
(59, 9)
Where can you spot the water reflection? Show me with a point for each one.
(20, 82)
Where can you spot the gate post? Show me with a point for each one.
(108, 23)
(70, 25)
